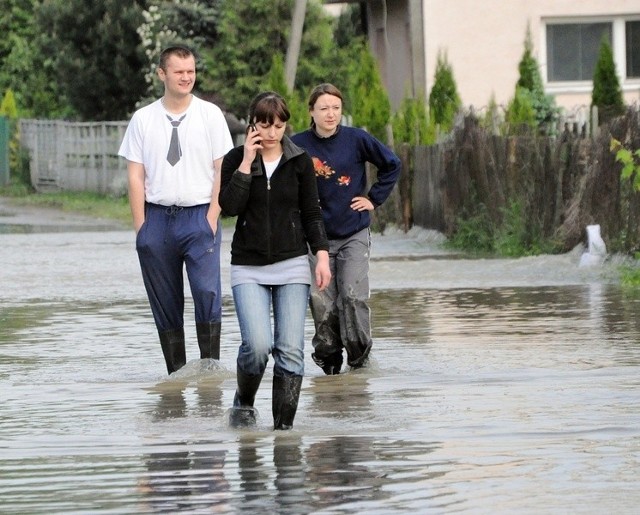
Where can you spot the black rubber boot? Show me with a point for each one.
(172, 342)
(331, 365)
(360, 360)
(208, 334)
(243, 414)
(286, 392)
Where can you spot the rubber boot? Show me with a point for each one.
(243, 414)
(172, 342)
(361, 360)
(331, 365)
(286, 392)
(208, 334)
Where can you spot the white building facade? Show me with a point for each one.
(484, 42)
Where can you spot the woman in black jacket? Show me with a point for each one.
(270, 185)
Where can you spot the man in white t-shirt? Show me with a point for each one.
(174, 149)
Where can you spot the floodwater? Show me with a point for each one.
(495, 386)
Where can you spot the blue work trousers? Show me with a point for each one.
(171, 239)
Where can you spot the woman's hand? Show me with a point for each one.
(323, 270)
(361, 204)
(252, 144)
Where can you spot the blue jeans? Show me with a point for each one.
(286, 342)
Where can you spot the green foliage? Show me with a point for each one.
(240, 61)
(8, 106)
(630, 274)
(349, 25)
(74, 59)
(276, 81)
(520, 114)
(93, 46)
(26, 66)
(607, 94)
(411, 123)
(370, 106)
(474, 231)
(630, 160)
(444, 101)
(18, 157)
(546, 113)
(193, 24)
(492, 119)
(512, 237)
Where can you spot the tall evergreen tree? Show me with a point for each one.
(607, 94)
(444, 101)
(369, 102)
(411, 123)
(531, 81)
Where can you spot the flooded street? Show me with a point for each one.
(495, 386)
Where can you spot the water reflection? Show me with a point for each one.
(184, 476)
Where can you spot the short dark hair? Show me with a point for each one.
(267, 106)
(178, 50)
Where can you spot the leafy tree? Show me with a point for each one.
(370, 106)
(94, 48)
(350, 25)
(276, 81)
(238, 64)
(25, 66)
(444, 101)
(194, 24)
(607, 94)
(530, 79)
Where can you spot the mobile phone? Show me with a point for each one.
(254, 128)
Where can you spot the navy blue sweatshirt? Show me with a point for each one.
(339, 163)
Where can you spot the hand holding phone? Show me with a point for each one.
(256, 140)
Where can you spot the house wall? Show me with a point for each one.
(484, 42)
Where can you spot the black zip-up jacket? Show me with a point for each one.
(277, 218)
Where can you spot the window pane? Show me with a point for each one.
(572, 49)
(592, 36)
(633, 48)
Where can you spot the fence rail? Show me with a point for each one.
(75, 156)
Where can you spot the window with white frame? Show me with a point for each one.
(573, 48)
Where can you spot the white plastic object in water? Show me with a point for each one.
(596, 248)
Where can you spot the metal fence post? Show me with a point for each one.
(5, 136)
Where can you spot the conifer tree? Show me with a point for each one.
(370, 105)
(444, 101)
(411, 123)
(607, 94)
(531, 80)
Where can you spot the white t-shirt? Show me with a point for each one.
(204, 137)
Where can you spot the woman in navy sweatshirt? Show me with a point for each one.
(341, 312)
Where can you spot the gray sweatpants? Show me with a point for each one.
(341, 312)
